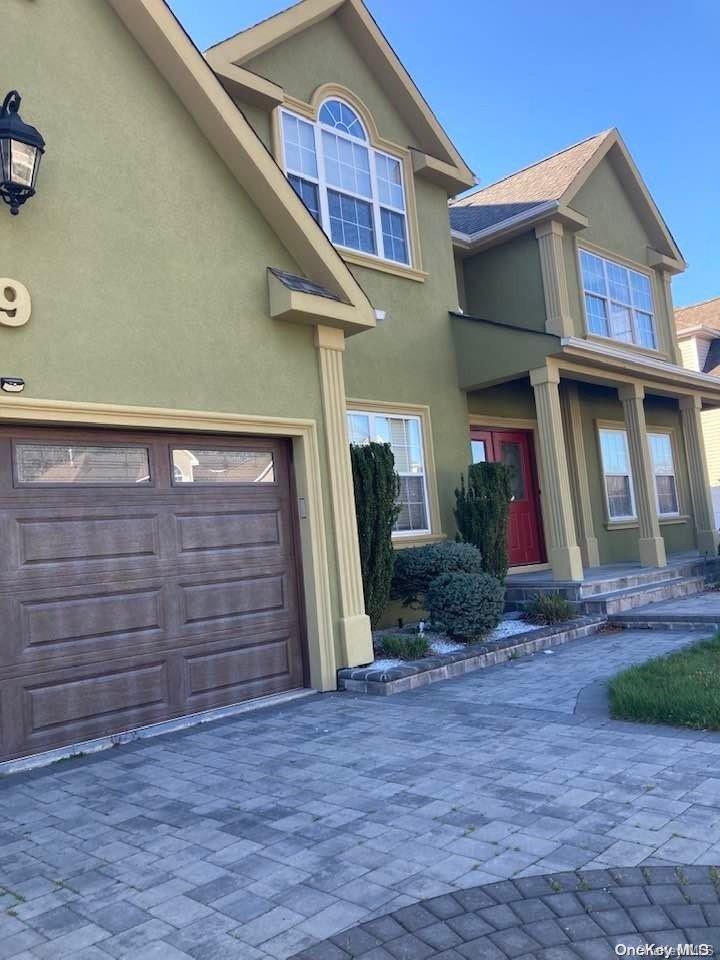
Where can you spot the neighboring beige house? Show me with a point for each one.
(698, 332)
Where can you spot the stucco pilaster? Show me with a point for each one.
(563, 551)
(577, 465)
(703, 514)
(554, 276)
(354, 624)
(652, 545)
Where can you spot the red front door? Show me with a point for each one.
(515, 449)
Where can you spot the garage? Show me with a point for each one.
(143, 577)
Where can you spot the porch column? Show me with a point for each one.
(579, 483)
(703, 513)
(355, 636)
(652, 545)
(563, 551)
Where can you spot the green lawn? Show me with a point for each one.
(682, 689)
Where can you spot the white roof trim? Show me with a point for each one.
(699, 380)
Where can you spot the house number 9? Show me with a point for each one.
(14, 303)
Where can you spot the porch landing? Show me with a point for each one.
(616, 588)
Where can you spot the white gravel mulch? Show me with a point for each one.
(439, 643)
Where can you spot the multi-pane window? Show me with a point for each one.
(618, 301)
(355, 192)
(404, 434)
(661, 457)
(619, 493)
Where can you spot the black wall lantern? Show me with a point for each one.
(21, 147)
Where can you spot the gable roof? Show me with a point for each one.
(168, 46)
(229, 56)
(704, 314)
(550, 185)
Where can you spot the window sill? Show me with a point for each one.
(399, 543)
(384, 266)
(634, 524)
(633, 347)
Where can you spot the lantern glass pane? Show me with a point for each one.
(23, 163)
(4, 159)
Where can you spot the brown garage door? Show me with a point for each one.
(142, 577)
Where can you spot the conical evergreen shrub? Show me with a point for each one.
(377, 488)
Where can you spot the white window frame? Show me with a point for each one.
(605, 473)
(389, 415)
(669, 436)
(322, 185)
(608, 300)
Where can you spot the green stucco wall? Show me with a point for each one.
(514, 400)
(323, 54)
(409, 358)
(602, 404)
(145, 260)
(505, 283)
(615, 226)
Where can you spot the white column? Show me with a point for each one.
(563, 551)
(652, 545)
(703, 513)
(355, 635)
(579, 484)
(554, 277)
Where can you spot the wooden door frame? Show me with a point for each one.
(477, 421)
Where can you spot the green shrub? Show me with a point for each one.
(547, 608)
(467, 605)
(405, 646)
(481, 513)
(376, 487)
(417, 567)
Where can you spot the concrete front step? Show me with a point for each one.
(519, 592)
(618, 601)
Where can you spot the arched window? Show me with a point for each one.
(354, 191)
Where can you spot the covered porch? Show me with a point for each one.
(572, 395)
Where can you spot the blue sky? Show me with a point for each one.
(651, 69)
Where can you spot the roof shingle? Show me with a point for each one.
(705, 314)
(532, 186)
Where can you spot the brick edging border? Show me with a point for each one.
(367, 680)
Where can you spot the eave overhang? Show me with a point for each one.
(468, 244)
(700, 330)
(311, 309)
(659, 376)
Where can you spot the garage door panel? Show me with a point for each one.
(239, 531)
(90, 622)
(64, 540)
(232, 599)
(72, 706)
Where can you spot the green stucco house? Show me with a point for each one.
(235, 263)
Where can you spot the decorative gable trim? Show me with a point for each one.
(613, 147)
(380, 56)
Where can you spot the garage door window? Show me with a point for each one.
(56, 463)
(222, 466)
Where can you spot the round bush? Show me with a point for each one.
(417, 567)
(467, 605)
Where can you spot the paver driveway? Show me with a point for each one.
(259, 836)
